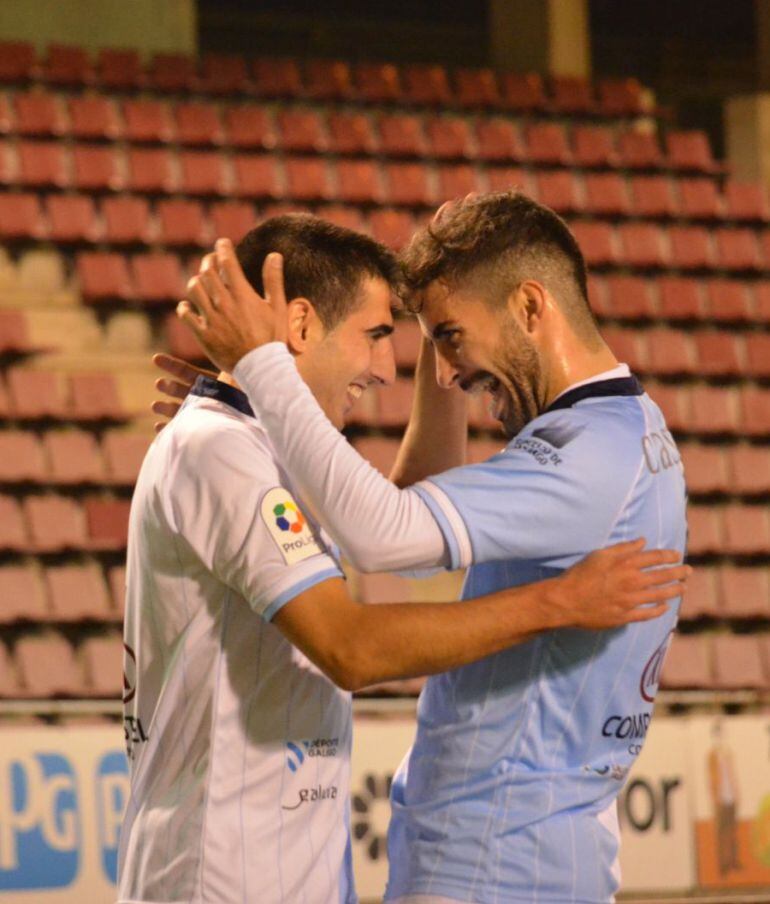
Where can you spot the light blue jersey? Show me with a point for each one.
(508, 794)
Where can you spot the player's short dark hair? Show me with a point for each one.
(322, 262)
(493, 242)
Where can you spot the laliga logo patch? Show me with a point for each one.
(288, 526)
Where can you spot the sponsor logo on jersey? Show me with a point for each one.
(312, 795)
(559, 432)
(288, 526)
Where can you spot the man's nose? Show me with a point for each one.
(446, 373)
(384, 362)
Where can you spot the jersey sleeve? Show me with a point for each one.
(555, 493)
(246, 528)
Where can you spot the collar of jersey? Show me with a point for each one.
(209, 388)
(621, 386)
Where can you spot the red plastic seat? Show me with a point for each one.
(127, 220)
(621, 97)
(738, 663)
(94, 116)
(508, 178)
(749, 469)
(147, 121)
(394, 403)
(328, 80)
(72, 218)
(377, 82)
(182, 222)
(342, 215)
(77, 592)
(675, 402)
(47, 667)
(103, 276)
(700, 199)
(393, 228)
(35, 394)
(476, 88)
(94, 397)
(107, 522)
(448, 137)
(359, 181)
(755, 411)
(747, 530)
(22, 596)
(522, 91)
(746, 201)
(705, 530)
(121, 69)
(73, 456)
(43, 164)
(680, 299)
(232, 219)
(571, 94)
(547, 143)
(408, 184)
(652, 196)
(17, 61)
(13, 531)
(255, 176)
(642, 245)
(151, 171)
(203, 173)
(498, 140)
(103, 666)
(606, 194)
(223, 74)
(702, 595)
(198, 124)
(21, 216)
(181, 341)
(9, 682)
(277, 77)
(687, 664)
(456, 181)
(629, 347)
(56, 523)
(719, 354)
(402, 136)
(705, 468)
(594, 146)
(351, 133)
(301, 130)
(630, 298)
(39, 113)
(758, 355)
(737, 249)
(426, 85)
(14, 336)
(597, 242)
(691, 247)
(558, 189)
(21, 457)
(307, 179)
(690, 150)
(172, 72)
(158, 277)
(378, 451)
(639, 150)
(746, 592)
(714, 411)
(762, 301)
(250, 126)
(728, 300)
(124, 453)
(96, 168)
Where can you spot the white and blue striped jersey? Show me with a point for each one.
(508, 794)
(239, 747)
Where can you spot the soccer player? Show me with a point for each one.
(508, 793)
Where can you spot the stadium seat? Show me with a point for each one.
(620, 97)
(761, 293)
(498, 140)
(180, 340)
(43, 164)
(9, 683)
(691, 247)
(522, 91)
(377, 83)
(394, 403)
(559, 190)
(758, 355)
(606, 194)
(705, 530)
(21, 217)
(547, 143)
(103, 276)
(728, 300)
(232, 219)
(597, 242)
(629, 347)
(203, 173)
(73, 456)
(378, 451)
(738, 663)
(250, 126)
(147, 121)
(594, 147)
(719, 354)
(96, 168)
(504, 178)
(755, 410)
(652, 197)
(328, 80)
(639, 150)
(393, 228)
(72, 218)
(680, 299)
(151, 170)
(158, 277)
(276, 77)
(402, 135)
(120, 69)
(705, 468)
(675, 403)
(77, 592)
(107, 522)
(749, 469)
(701, 596)
(301, 130)
(426, 85)
(14, 334)
(699, 199)
(223, 74)
(116, 577)
(359, 181)
(198, 124)
(642, 245)
(690, 150)
(13, 531)
(408, 183)
(737, 249)
(307, 179)
(476, 88)
(103, 665)
(351, 133)
(629, 298)
(687, 664)
(127, 221)
(746, 201)
(17, 61)
(571, 94)
(94, 117)
(255, 176)
(124, 452)
(22, 595)
(341, 215)
(94, 397)
(38, 113)
(56, 523)
(456, 181)
(47, 667)
(745, 591)
(449, 137)
(35, 394)
(21, 457)
(183, 222)
(746, 530)
(172, 72)
(715, 410)
(407, 341)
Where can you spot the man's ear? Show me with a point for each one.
(527, 304)
(303, 323)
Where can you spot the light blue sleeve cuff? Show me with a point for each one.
(305, 584)
(450, 523)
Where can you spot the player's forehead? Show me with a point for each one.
(440, 303)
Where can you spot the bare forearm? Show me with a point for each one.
(436, 437)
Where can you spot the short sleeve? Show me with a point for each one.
(246, 528)
(554, 493)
